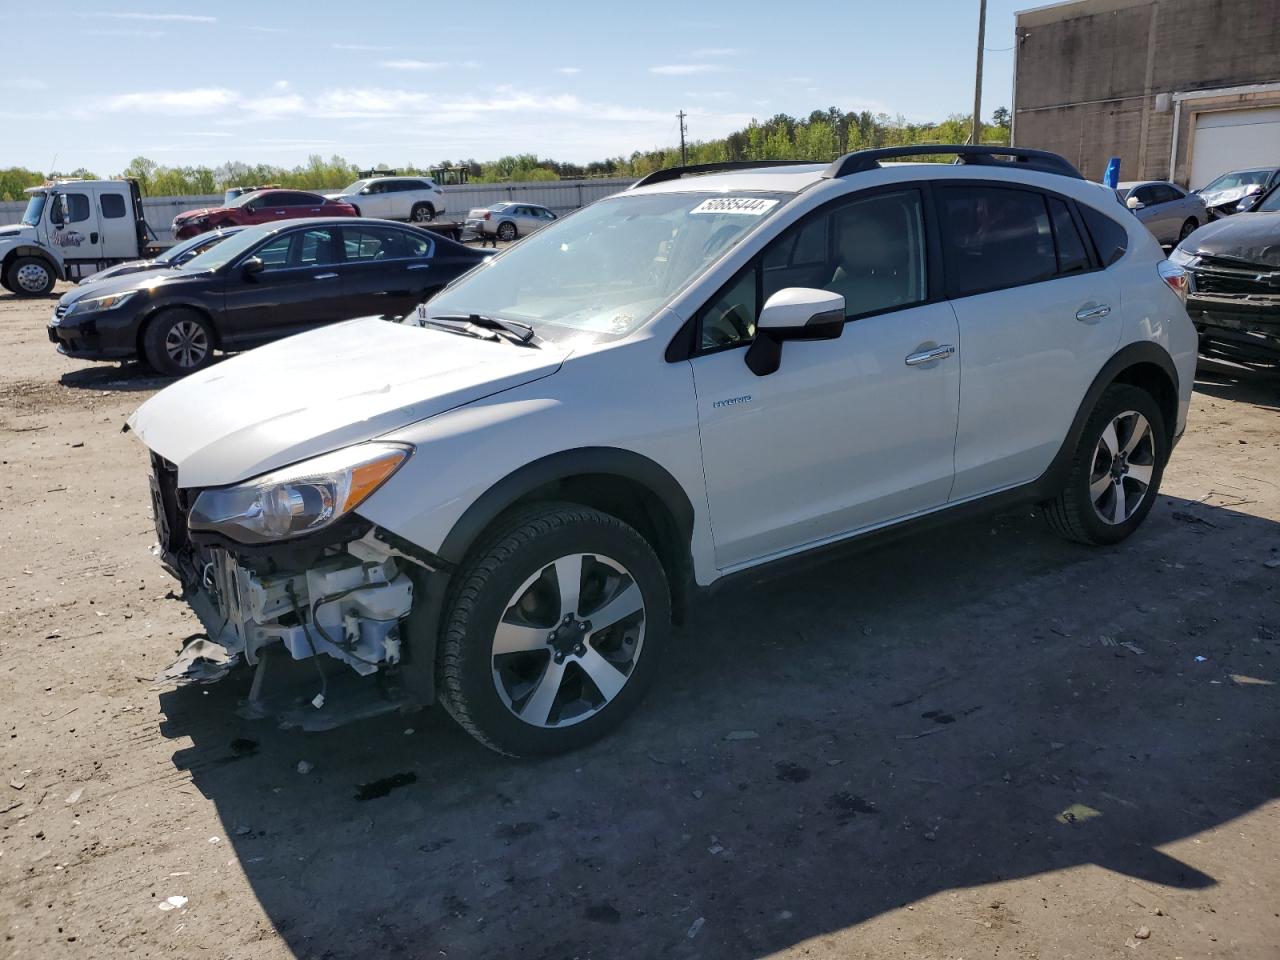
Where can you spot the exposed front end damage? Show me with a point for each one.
(1235, 307)
(341, 601)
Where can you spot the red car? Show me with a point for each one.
(261, 206)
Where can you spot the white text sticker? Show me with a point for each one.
(745, 206)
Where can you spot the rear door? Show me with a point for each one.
(386, 271)
(1037, 319)
(297, 289)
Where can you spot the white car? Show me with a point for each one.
(418, 199)
(503, 503)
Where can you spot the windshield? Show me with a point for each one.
(224, 252)
(608, 268)
(187, 249)
(35, 207)
(1241, 178)
(355, 187)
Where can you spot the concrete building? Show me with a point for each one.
(1178, 89)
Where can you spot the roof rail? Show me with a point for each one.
(1021, 158)
(675, 173)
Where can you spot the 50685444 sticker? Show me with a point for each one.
(744, 206)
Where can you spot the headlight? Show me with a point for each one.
(1181, 257)
(300, 499)
(98, 304)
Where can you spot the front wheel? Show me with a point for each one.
(30, 277)
(178, 342)
(1115, 473)
(422, 213)
(554, 631)
(1188, 228)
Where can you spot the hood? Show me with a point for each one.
(16, 231)
(309, 394)
(125, 269)
(203, 212)
(1218, 197)
(1251, 237)
(138, 279)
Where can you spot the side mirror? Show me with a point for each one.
(794, 313)
(1246, 203)
(366, 191)
(1133, 203)
(253, 266)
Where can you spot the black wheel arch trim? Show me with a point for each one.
(625, 464)
(145, 319)
(1131, 355)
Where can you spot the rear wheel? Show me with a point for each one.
(30, 277)
(555, 630)
(178, 342)
(1188, 228)
(422, 213)
(506, 231)
(1115, 474)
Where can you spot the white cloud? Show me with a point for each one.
(358, 46)
(568, 71)
(281, 85)
(685, 69)
(414, 64)
(173, 17)
(266, 29)
(201, 100)
(716, 52)
(275, 106)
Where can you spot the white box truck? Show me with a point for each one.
(71, 229)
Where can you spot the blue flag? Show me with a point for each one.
(1112, 177)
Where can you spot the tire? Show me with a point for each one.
(506, 231)
(512, 581)
(422, 213)
(31, 277)
(357, 210)
(1089, 509)
(178, 342)
(1188, 227)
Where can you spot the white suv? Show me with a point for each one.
(505, 501)
(418, 199)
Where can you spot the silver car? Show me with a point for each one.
(507, 220)
(1167, 210)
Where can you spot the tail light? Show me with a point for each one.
(487, 214)
(1175, 277)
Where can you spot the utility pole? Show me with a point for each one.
(684, 157)
(976, 136)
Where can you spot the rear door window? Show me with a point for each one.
(1072, 253)
(995, 237)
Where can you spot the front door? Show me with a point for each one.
(298, 288)
(74, 226)
(847, 433)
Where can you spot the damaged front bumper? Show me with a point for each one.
(344, 601)
(1236, 310)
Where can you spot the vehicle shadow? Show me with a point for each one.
(1231, 381)
(120, 378)
(969, 705)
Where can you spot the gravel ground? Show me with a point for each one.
(975, 742)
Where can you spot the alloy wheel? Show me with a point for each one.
(1123, 464)
(568, 640)
(33, 278)
(186, 343)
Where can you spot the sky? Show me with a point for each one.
(94, 83)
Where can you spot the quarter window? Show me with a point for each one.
(995, 237)
(1110, 239)
(112, 205)
(1072, 256)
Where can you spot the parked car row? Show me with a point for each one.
(1172, 213)
(245, 286)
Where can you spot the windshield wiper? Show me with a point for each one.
(512, 330)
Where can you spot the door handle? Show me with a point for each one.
(325, 276)
(418, 266)
(93, 238)
(928, 356)
(1085, 314)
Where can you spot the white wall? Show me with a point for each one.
(558, 195)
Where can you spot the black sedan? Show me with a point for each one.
(264, 283)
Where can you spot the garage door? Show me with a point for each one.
(1234, 140)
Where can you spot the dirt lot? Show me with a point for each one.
(973, 743)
